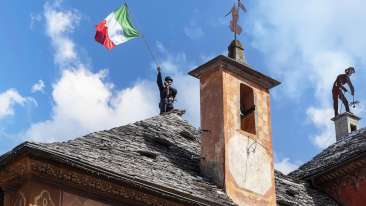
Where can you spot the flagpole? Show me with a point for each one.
(146, 43)
(157, 62)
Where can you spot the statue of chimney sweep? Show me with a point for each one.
(167, 93)
(339, 89)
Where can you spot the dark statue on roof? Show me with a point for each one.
(167, 93)
(339, 90)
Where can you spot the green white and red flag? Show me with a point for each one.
(116, 28)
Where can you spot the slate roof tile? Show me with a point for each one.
(292, 192)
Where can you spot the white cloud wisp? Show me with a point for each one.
(286, 166)
(38, 87)
(84, 103)
(59, 24)
(8, 100)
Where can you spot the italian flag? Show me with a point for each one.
(116, 29)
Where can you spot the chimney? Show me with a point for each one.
(236, 148)
(345, 123)
(236, 51)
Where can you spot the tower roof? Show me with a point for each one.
(241, 69)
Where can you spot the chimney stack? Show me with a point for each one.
(236, 145)
(236, 51)
(345, 123)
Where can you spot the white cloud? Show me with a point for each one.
(38, 87)
(307, 43)
(84, 102)
(172, 62)
(8, 100)
(321, 119)
(188, 97)
(59, 24)
(286, 166)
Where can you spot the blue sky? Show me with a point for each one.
(57, 83)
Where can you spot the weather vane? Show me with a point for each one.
(234, 26)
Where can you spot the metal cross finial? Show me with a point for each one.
(234, 26)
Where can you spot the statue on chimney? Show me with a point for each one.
(339, 90)
(167, 93)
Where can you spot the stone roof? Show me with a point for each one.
(292, 192)
(347, 148)
(162, 152)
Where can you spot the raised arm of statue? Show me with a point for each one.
(159, 80)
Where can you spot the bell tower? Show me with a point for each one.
(236, 148)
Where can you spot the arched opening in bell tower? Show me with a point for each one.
(247, 109)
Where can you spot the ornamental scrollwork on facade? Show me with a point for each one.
(44, 199)
(47, 170)
(20, 200)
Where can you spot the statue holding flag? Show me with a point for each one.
(167, 93)
(117, 29)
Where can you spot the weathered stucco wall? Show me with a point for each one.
(353, 194)
(239, 161)
(249, 173)
(350, 188)
(212, 124)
